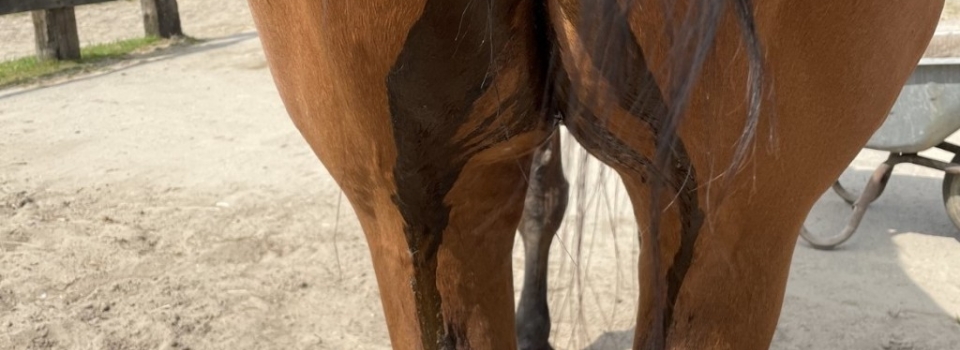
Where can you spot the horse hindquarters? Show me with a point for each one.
(425, 113)
(726, 235)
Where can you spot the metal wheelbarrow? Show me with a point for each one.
(924, 115)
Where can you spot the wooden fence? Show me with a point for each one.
(55, 24)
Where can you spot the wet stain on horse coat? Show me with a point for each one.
(447, 64)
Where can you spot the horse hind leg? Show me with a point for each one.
(713, 273)
(545, 204)
(426, 117)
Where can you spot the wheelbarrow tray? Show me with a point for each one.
(927, 111)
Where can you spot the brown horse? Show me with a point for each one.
(725, 119)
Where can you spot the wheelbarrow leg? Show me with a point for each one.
(851, 197)
(847, 196)
(876, 185)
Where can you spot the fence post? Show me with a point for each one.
(56, 34)
(161, 18)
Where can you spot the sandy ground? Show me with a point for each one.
(168, 203)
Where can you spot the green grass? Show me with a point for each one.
(29, 69)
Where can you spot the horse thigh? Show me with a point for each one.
(425, 113)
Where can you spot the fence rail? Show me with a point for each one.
(17, 6)
(55, 23)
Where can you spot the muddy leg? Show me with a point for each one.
(543, 211)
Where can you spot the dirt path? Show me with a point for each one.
(118, 20)
(168, 203)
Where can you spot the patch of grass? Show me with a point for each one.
(115, 49)
(28, 69)
(24, 69)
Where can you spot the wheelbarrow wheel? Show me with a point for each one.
(951, 195)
